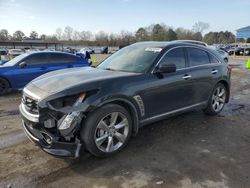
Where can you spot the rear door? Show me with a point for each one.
(202, 72)
(62, 61)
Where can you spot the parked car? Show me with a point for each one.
(100, 108)
(237, 51)
(3, 52)
(16, 73)
(89, 50)
(3, 56)
(247, 51)
(15, 52)
(104, 50)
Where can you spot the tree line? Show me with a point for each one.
(155, 32)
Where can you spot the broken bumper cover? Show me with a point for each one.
(47, 141)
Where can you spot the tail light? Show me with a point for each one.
(229, 68)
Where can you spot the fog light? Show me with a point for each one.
(47, 139)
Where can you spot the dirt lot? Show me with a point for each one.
(191, 150)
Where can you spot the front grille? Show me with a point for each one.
(30, 104)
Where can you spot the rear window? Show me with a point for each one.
(197, 57)
(63, 58)
(213, 59)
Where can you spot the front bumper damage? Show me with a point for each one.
(47, 140)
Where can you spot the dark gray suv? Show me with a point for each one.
(100, 108)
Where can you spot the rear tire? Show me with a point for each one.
(107, 130)
(4, 86)
(217, 100)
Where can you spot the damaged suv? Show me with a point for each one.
(99, 109)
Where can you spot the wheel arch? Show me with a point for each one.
(130, 107)
(227, 86)
(2, 77)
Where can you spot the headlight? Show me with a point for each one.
(68, 123)
(65, 101)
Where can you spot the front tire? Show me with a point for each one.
(107, 130)
(4, 86)
(217, 100)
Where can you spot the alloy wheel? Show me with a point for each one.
(218, 99)
(111, 132)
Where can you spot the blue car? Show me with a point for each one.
(16, 73)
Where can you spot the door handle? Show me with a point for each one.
(186, 76)
(214, 71)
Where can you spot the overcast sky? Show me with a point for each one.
(44, 16)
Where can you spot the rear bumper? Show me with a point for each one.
(48, 142)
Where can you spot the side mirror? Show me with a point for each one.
(166, 68)
(22, 65)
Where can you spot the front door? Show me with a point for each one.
(166, 92)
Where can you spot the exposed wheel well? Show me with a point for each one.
(227, 88)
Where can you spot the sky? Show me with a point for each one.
(45, 16)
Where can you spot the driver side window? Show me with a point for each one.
(175, 56)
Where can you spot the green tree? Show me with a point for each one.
(171, 35)
(197, 36)
(4, 35)
(18, 35)
(159, 33)
(141, 34)
(34, 35)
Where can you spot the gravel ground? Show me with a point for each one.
(190, 150)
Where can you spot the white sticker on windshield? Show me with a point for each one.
(153, 49)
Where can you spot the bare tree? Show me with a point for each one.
(85, 35)
(43, 37)
(101, 38)
(76, 36)
(68, 32)
(200, 27)
(4, 35)
(51, 38)
(59, 33)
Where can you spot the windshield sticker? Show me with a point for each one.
(153, 49)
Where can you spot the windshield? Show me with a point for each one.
(15, 60)
(15, 51)
(134, 58)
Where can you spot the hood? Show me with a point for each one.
(57, 81)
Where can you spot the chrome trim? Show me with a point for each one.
(173, 111)
(187, 76)
(28, 113)
(29, 93)
(214, 71)
(28, 134)
(186, 46)
(140, 103)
